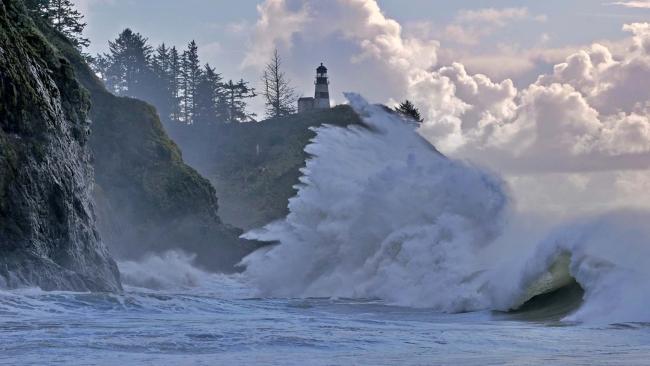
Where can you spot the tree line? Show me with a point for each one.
(182, 89)
(175, 82)
(63, 16)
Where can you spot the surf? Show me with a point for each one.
(380, 213)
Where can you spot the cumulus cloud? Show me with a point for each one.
(359, 21)
(592, 106)
(589, 113)
(276, 25)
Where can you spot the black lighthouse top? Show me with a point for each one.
(321, 74)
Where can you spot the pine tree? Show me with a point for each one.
(130, 56)
(64, 18)
(191, 74)
(235, 101)
(175, 72)
(208, 94)
(160, 62)
(100, 65)
(409, 110)
(160, 67)
(280, 97)
(38, 7)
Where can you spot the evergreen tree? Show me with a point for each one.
(129, 73)
(208, 93)
(175, 72)
(160, 68)
(176, 84)
(280, 97)
(409, 110)
(235, 101)
(64, 18)
(38, 7)
(100, 65)
(191, 74)
(160, 62)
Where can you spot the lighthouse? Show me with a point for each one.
(322, 94)
(321, 99)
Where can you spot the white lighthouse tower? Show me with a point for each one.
(321, 99)
(322, 94)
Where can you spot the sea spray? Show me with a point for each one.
(609, 254)
(382, 214)
(175, 271)
(169, 270)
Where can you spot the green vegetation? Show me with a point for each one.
(183, 91)
(62, 16)
(148, 199)
(47, 227)
(409, 110)
(254, 166)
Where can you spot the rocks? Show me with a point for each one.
(47, 221)
(149, 200)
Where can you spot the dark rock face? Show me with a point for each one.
(148, 199)
(47, 221)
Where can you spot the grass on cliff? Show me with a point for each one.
(254, 166)
(154, 200)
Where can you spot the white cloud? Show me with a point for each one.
(639, 4)
(589, 113)
(592, 106)
(498, 17)
(470, 26)
(359, 21)
(276, 25)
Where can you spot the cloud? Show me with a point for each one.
(238, 27)
(591, 107)
(360, 22)
(639, 4)
(589, 113)
(470, 26)
(508, 61)
(276, 25)
(497, 17)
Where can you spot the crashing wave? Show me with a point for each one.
(381, 214)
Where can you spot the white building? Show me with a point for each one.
(321, 99)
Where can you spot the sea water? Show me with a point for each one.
(392, 254)
(213, 320)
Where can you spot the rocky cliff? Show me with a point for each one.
(47, 222)
(148, 199)
(255, 166)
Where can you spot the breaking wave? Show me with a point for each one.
(380, 213)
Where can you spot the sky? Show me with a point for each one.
(551, 94)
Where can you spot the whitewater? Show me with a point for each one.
(392, 253)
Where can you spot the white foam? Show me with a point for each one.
(381, 214)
